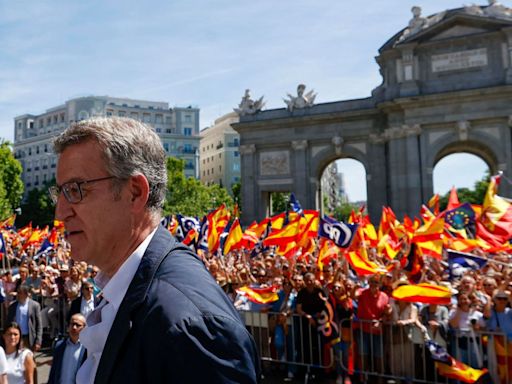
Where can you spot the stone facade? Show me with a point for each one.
(446, 88)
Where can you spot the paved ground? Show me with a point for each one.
(271, 376)
(43, 358)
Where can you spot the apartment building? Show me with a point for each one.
(178, 128)
(219, 153)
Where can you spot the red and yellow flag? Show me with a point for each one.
(259, 295)
(234, 237)
(460, 371)
(495, 222)
(423, 293)
(362, 265)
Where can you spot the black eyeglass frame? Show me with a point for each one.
(55, 190)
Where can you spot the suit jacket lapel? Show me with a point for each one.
(161, 244)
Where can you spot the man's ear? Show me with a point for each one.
(139, 191)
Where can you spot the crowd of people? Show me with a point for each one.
(43, 293)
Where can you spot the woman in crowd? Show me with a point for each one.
(20, 361)
(464, 320)
(404, 316)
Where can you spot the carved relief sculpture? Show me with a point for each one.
(274, 163)
(301, 100)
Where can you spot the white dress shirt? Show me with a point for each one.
(93, 337)
(86, 306)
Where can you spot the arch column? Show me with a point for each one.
(250, 189)
(301, 172)
(405, 168)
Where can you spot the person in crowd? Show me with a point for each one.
(373, 309)
(434, 319)
(343, 307)
(50, 295)
(3, 366)
(310, 302)
(464, 320)
(22, 278)
(27, 313)
(68, 354)
(498, 315)
(20, 360)
(34, 283)
(404, 316)
(84, 303)
(73, 284)
(157, 294)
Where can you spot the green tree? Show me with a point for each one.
(279, 202)
(236, 190)
(190, 197)
(342, 211)
(466, 195)
(11, 185)
(37, 208)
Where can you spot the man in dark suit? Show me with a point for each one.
(84, 303)
(163, 318)
(27, 313)
(68, 354)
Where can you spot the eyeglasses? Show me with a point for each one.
(72, 191)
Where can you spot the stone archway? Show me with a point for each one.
(446, 88)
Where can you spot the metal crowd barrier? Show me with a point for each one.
(398, 353)
(288, 341)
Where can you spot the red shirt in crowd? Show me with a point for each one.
(371, 307)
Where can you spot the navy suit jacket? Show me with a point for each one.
(175, 325)
(58, 356)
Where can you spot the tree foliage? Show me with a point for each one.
(11, 185)
(188, 196)
(279, 201)
(37, 208)
(466, 195)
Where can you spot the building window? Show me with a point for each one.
(121, 113)
(235, 142)
(188, 118)
(220, 155)
(236, 167)
(187, 131)
(159, 119)
(220, 168)
(159, 130)
(146, 117)
(166, 147)
(134, 115)
(236, 153)
(168, 130)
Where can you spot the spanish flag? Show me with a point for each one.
(495, 224)
(460, 371)
(423, 293)
(429, 238)
(259, 295)
(362, 265)
(234, 237)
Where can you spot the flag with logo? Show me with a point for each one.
(340, 233)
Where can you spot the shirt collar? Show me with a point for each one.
(115, 288)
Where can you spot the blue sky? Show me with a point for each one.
(203, 53)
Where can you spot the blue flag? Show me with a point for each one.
(340, 233)
(295, 205)
(465, 260)
(460, 217)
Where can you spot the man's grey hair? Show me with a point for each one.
(129, 148)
